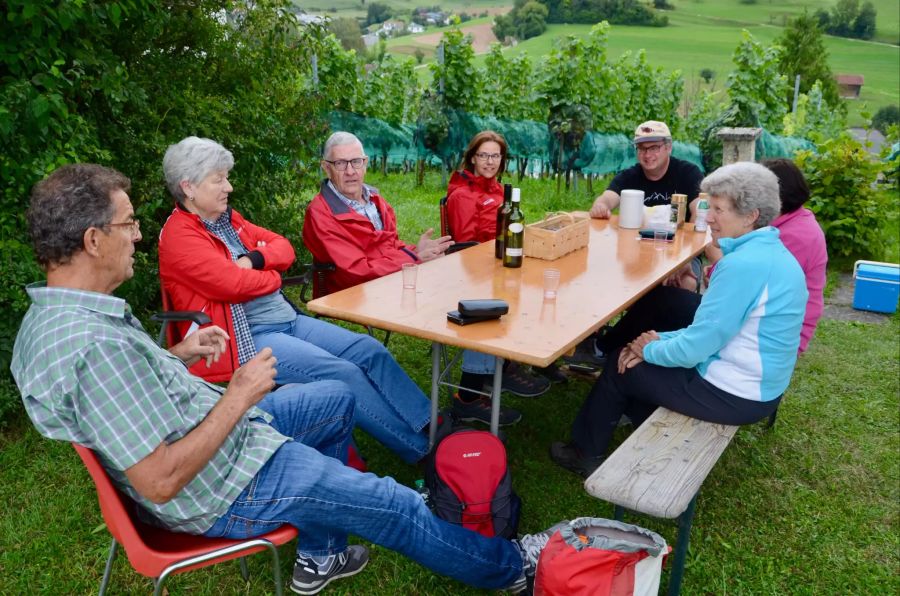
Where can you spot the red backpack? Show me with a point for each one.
(469, 483)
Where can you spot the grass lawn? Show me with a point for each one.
(809, 507)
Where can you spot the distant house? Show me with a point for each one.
(849, 85)
(393, 27)
(415, 28)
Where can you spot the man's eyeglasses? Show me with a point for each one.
(340, 165)
(650, 149)
(488, 156)
(134, 226)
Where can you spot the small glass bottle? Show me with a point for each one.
(700, 224)
(423, 492)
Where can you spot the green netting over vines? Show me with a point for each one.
(769, 146)
(443, 139)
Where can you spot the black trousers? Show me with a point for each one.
(663, 308)
(639, 391)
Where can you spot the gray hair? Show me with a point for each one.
(193, 159)
(337, 139)
(749, 186)
(65, 204)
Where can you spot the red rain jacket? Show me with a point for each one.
(472, 203)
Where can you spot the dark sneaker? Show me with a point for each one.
(517, 381)
(311, 577)
(530, 546)
(587, 353)
(568, 456)
(553, 374)
(480, 411)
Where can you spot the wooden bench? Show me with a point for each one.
(658, 471)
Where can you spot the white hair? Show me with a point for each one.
(337, 139)
(193, 159)
(749, 186)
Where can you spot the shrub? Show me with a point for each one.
(885, 117)
(857, 218)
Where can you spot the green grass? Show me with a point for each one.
(809, 507)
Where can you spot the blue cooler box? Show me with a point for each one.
(877, 286)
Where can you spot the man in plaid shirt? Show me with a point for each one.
(197, 458)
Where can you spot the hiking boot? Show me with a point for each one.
(552, 373)
(311, 577)
(568, 456)
(480, 411)
(518, 382)
(530, 546)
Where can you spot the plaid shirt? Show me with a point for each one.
(90, 374)
(366, 208)
(224, 231)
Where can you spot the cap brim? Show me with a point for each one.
(651, 139)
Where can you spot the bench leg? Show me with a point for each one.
(685, 520)
(618, 513)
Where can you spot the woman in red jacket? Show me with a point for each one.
(213, 260)
(473, 197)
(475, 192)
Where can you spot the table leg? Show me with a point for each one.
(495, 395)
(435, 390)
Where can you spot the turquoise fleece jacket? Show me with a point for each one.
(746, 332)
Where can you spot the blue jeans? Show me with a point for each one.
(389, 405)
(305, 484)
(477, 363)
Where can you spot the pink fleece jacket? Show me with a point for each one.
(801, 234)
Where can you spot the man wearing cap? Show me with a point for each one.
(657, 173)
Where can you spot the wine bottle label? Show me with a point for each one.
(516, 228)
(513, 252)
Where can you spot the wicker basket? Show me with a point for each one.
(556, 235)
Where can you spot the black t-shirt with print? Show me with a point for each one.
(682, 177)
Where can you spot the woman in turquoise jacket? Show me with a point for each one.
(733, 362)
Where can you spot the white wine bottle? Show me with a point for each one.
(514, 238)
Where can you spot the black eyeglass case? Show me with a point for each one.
(491, 307)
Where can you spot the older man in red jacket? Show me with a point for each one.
(349, 224)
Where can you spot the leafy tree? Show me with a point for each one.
(756, 89)
(707, 74)
(376, 12)
(803, 53)
(348, 32)
(532, 20)
(864, 23)
(527, 19)
(420, 55)
(115, 82)
(848, 19)
(617, 12)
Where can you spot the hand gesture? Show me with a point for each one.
(208, 342)
(430, 248)
(254, 379)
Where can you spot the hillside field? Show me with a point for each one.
(701, 34)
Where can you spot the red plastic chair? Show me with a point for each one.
(158, 553)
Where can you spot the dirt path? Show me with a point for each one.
(482, 37)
